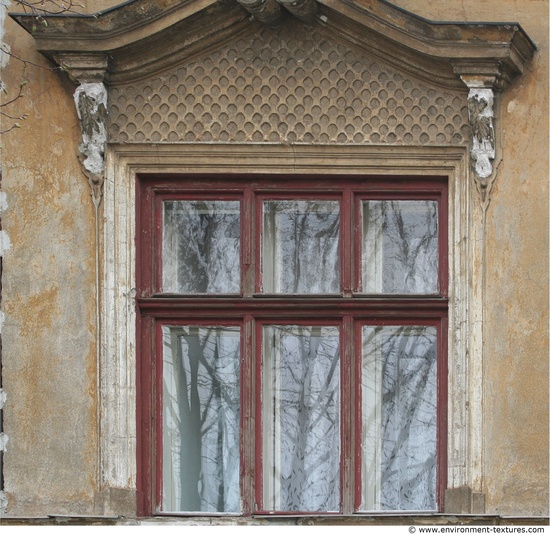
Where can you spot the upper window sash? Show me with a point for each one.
(241, 238)
(199, 244)
(299, 244)
(400, 241)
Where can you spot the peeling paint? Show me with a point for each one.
(3, 202)
(4, 48)
(3, 503)
(2, 318)
(4, 442)
(3, 398)
(51, 378)
(5, 242)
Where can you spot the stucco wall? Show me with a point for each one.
(516, 367)
(48, 337)
(48, 295)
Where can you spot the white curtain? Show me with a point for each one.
(301, 418)
(201, 419)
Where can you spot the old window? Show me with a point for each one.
(292, 344)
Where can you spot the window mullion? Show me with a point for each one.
(248, 243)
(346, 249)
(248, 404)
(348, 407)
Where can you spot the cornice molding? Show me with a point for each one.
(141, 39)
(163, 33)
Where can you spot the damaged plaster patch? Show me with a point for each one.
(5, 242)
(3, 442)
(91, 105)
(3, 503)
(3, 202)
(4, 48)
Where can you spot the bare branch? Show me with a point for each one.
(39, 8)
(28, 62)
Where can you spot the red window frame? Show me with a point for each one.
(250, 309)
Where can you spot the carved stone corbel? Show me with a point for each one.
(482, 151)
(266, 11)
(305, 10)
(90, 97)
(481, 99)
(91, 105)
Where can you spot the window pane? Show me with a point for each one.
(400, 247)
(300, 247)
(301, 418)
(201, 419)
(201, 247)
(399, 399)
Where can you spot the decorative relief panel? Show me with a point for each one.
(286, 85)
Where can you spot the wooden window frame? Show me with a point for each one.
(251, 308)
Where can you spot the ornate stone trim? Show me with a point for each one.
(124, 161)
(267, 11)
(480, 110)
(90, 97)
(91, 105)
(284, 85)
(481, 113)
(162, 35)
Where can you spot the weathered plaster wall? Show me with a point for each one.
(48, 286)
(516, 367)
(48, 296)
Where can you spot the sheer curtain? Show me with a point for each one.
(300, 247)
(201, 247)
(301, 418)
(399, 401)
(400, 247)
(201, 419)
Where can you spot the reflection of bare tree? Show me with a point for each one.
(301, 245)
(401, 249)
(201, 246)
(204, 408)
(415, 234)
(408, 415)
(306, 405)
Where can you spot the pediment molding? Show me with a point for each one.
(282, 85)
(143, 37)
(149, 47)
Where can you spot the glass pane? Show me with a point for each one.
(301, 418)
(201, 419)
(300, 247)
(201, 247)
(399, 400)
(400, 247)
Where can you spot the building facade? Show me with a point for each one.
(273, 258)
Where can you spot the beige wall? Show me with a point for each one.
(48, 296)
(516, 367)
(48, 337)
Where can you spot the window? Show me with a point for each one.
(292, 350)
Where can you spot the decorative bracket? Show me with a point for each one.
(481, 83)
(480, 112)
(305, 10)
(266, 11)
(90, 97)
(269, 11)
